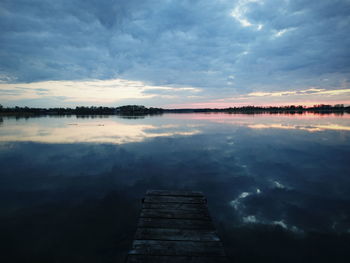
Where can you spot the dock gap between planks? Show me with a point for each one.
(175, 226)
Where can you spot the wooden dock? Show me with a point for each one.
(175, 226)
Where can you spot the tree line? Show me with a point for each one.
(142, 110)
(319, 108)
(83, 110)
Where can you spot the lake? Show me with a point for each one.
(278, 185)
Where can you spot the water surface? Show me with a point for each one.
(278, 185)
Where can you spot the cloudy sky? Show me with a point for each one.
(174, 53)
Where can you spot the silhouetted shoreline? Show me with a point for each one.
(139, 110)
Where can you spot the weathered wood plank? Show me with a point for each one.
(176, 234)
(174, 199)
(175, 223)
(176, 248)
(175, 259)
(175, 226)
(172, 213)
(174, 193)
(188, 207)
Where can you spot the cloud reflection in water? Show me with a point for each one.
(118, 131)
(276, 181)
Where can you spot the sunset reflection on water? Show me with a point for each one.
(270, 179)
(117, 130)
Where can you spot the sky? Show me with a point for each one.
(174, 53)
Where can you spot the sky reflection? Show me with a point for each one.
(104, 130)
(263, 175)
(117, 130)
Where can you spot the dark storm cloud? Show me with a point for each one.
(193, 43)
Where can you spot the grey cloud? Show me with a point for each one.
(176, 43)
(11, 92)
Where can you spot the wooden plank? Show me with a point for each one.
(174, 193)
(174, 259)
(187, 207)
(176, 248)
(176, 234)
(174, 199)
(175, 223)
(175, 226)
(173, 213)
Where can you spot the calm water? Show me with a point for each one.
(278, 186)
